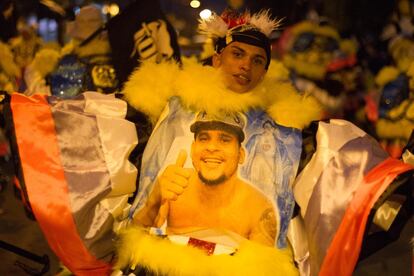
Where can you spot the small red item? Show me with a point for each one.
(206, 246)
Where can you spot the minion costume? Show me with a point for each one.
(395, 92)
(321, 63)
(390, 107)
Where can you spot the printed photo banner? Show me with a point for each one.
(263, 166)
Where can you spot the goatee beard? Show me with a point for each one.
(212, 182)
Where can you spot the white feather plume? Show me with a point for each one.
(264, 23)
(214, 26)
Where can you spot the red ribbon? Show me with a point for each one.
(342, 255)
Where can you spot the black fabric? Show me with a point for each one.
(375, 238)
(410, 143)
(6, 163)
(15, 164)
(8, 26)
(308, 144)
(123, 27)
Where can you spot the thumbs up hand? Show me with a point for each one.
(174, 179)
(172, 183)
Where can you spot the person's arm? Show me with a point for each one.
(147, 214)
(168, 186)
(264, 231)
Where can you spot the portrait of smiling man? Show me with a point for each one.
(212, 195)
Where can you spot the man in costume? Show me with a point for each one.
(203, 197)
(237, 83)
(243, 80)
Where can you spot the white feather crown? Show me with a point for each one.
(217, 26)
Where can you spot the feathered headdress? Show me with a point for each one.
(217, 26)
(254, 29)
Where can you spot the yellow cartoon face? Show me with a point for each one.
(103, 76)
(313, 49)
(402, 52)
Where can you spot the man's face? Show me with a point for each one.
(242, 65)
(216, 155)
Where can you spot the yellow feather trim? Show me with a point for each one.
(398, 111)
(163, 257)
(295, 110)
(314, 71)
(45, 61)
(400, 49)
(149, 87)
(201, 88)
(401, 129)
(387, 74)
(277, 71)
(7, 64)
(307, 26)
(401, 125)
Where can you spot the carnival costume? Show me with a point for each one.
(394, 118)
(321, 63)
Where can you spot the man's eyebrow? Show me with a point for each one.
(238, 48)
(202, 132)
(244, 51)
(227, 135)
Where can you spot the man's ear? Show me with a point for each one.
(242, 155)
(216, 60)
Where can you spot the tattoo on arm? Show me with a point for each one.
(267, 223)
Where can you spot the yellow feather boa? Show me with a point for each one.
(45, 61)
(7, 64)
(201, 88)
(163, 257)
